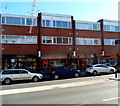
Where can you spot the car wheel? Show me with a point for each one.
(112, 71)
(76, 75)
(95, 72)
(35, 79)
(56, 76)
(7, 81)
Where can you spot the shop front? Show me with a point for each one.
(110, 60)
(19, 62)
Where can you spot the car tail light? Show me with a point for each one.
(53, 72)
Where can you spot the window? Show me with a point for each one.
(55, 23)
(28, 21)
(111, 41)
(17, 21)
(48, 23)
(96, 42)
(58, 24)
(70, 40)
(16, 72)
(57, 40)
(54, 40)
(9, 20)
(106, 27)
(23, 21)
(96, 27)
(65, 24)
(23, 72)
(3, 20)
(6, 72)
(88, 41)
(49, 40)
(43, 23)
(17, 39)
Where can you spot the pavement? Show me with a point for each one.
(82, 90)
(116, 77)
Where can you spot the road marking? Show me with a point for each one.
(49, 87)
(105, 100)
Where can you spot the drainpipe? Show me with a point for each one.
(39, 64)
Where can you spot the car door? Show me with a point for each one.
(68, 71)
(16, 75)
(104, 69)
(25, 75)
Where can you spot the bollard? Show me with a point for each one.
(115, 74)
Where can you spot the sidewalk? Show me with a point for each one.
(115, 77)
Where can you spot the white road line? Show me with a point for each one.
(105, 100)
(57, 86)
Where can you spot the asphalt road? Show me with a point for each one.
(83, 90)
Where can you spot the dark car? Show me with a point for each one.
(64, 72)
(117, 68)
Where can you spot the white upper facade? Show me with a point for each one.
(59, 21)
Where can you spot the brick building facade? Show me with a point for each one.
(57, 40)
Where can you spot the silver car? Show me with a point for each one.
(100, 68)
(9, 75)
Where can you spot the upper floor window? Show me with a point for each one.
(87, 26)
(112, 28)
(18, 21)
(111, 41)
(18, 39)
(56, 40)
(56, 24)
(88, 41)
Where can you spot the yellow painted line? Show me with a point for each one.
(49, 87)
(105, 100)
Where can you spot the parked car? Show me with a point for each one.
(64, 72)
(117, 68)
(99, 68)
(9, 75)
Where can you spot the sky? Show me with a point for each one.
(85, 10)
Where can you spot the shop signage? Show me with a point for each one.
(12, 60)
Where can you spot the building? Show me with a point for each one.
(57, 40)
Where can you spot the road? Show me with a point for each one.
(83, 90)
